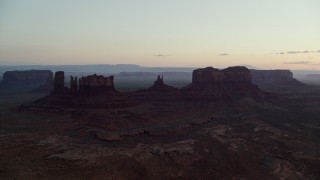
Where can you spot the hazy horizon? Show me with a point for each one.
(268, 35)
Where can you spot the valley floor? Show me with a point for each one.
(248, 139)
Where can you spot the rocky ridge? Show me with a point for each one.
(208, 84)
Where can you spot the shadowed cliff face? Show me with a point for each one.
(25, 81)
(209, 84)
(271, 76)
(16, 78)
(89, 85)
(213, 84)
(95, 84)
(235, 74)
(59, 82)
(276, 80)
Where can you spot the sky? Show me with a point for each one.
(269, 34)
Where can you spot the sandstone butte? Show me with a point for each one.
(267, 80)
(37, 77)
(208, 84)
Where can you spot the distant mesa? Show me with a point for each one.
(36, 77)
(31, 80)
(271, 75)
(44, 81)
(208, 84)
(275, 80)
(136, 74)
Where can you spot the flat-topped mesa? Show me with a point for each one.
(210, 84)
(276, 80)
(95, 84)
(31, 77)
(271, 75)
(239, 74)
(236, 74)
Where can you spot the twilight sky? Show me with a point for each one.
(266, 34)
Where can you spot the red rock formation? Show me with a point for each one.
(94, 92)
(26, 81)
(206, 75)
(95, 84)
(209, 84)
(235, 74)
(275, 80)
(58, 84)
(89, 85)
(36, 77)
(213, 84)
(159, 81)
(159, 85)
(74, 85)
(159, 92)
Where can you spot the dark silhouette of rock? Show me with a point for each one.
(89, 85)
(74, 85)
(208, 84)
(94, 84)
(59, 82)
(238, 74)
(211, 75)
(159, 92)
(47, 87)
(159, 81)
(271, 75)
(275, 80)
(32, 77)
(227, 84)
(26, 81)
(160, 85)
(92, 91)
(206, 75)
